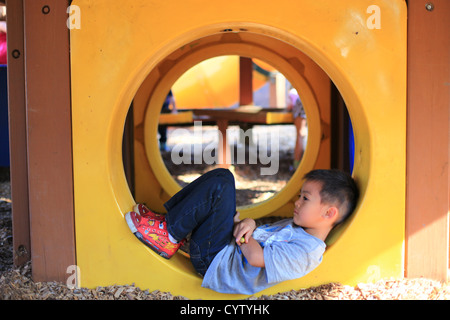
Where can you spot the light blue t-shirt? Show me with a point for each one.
(289, 253)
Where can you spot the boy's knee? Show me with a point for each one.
(223, 179)
(226, 174)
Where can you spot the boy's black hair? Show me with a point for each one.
(338, 188)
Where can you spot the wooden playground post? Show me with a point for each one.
(428, 140)
(18, 133)
(42, 138)
(245, 81)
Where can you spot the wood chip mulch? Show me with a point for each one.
(17, 285)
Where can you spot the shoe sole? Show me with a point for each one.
(130, 223)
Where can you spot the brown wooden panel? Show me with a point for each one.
(245, 81)
(427, 201)
(47, 70)
(18, 131)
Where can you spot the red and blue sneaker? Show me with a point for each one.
(146, 212)
(153, 233)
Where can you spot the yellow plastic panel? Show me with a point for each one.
(360, 44)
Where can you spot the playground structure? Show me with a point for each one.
(368, 66)
(214, 83)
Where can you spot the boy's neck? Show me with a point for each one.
(321, 234)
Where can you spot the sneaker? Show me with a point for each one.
(153, 233)
(146, 212)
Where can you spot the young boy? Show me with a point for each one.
(234, 256)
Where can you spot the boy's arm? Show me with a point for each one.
(250, 248)
(253, 252)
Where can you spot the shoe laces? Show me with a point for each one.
(154, 226)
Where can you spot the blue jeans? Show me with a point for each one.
(206, 208)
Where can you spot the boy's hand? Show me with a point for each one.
(243, 229)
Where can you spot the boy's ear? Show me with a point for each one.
(332, 213)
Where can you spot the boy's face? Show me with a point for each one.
(309, 212)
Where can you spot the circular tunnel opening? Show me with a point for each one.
(150, 180)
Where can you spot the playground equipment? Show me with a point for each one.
(215, 83)
(160, 43)
(4, 135)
